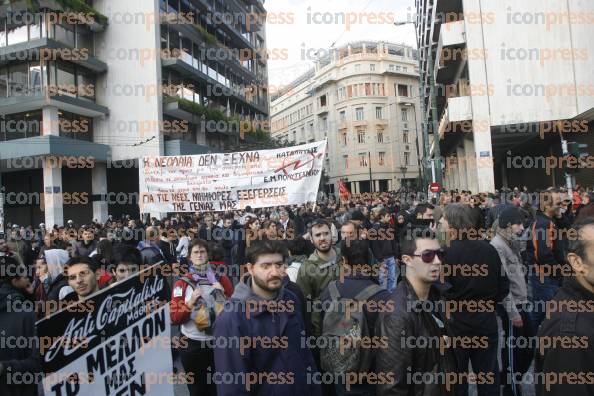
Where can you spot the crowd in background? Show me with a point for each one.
(382, 249)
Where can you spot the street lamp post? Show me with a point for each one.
(421, 180)
(436, 176)
(370, 177)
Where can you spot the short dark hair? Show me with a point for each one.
(199, 242)
(577, 245)
(11, 269)
(126, 254)
(265, 246)
(82, 260)
(318, 223)
(422, 208)
(355, 252)
(408, 246)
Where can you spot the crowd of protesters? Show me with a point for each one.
(377, 293)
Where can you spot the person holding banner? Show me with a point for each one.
(19, 367)
(197, 297)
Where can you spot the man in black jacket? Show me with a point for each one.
(568, 370)
(416, 322)
(20, 368)
(473, 269)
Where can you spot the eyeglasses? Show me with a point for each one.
(429, 255)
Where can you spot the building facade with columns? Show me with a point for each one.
(510, 80)
(82, 100)
(363, 98)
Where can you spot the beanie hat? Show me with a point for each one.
(358, 215)
(510, 216)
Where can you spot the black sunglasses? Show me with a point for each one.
(429, 255)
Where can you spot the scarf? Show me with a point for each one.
(203, 272)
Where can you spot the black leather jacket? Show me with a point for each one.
(404, 357)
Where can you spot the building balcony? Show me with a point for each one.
(322, 110)
(195, 113)
(238, 39)
(450, 51)
(197, 33)
(404, 100)
(40, 146)
(186, 69)
(459, 109)
(39, 99)
(381, 122)
(31, 49)
(360, 123)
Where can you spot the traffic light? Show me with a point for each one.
(576, 150)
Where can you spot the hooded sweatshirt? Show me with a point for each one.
(17, 321)
(276, 356)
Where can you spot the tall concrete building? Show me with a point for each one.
(88, 87)
(362, 97)
(510, 78)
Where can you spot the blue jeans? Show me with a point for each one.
(541, 293)
(390, 267)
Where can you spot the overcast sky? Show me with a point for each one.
(296, 29)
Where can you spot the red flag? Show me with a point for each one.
(343, 190)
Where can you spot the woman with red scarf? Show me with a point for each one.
(197, 297)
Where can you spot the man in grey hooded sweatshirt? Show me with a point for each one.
(515, 320)
(260, 333)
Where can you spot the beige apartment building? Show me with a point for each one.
(364, 98)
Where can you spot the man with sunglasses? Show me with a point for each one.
(415, 328)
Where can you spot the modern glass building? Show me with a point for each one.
(88, 87)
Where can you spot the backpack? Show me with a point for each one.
(205, 314)
(340, 356)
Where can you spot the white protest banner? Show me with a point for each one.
(117, 342)
(229, 181)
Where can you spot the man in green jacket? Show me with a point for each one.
(322, 267)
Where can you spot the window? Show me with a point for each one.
(372, 67)
(324, 124)
(18, 79)
(65, 79)
(380, 137)
(406, 155)
(322, 100)
(405, 137)
(344, 139)
(342, 116)
(362, 159)
(341, 93)
(381, 158)
(404, 68)
(361, 136)
(392, 67)
(379, 113)
(359, 116)
(294, 136)
(17, 34)
(404, 114)
(346, 161)
(3, 83)
(403, 90)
